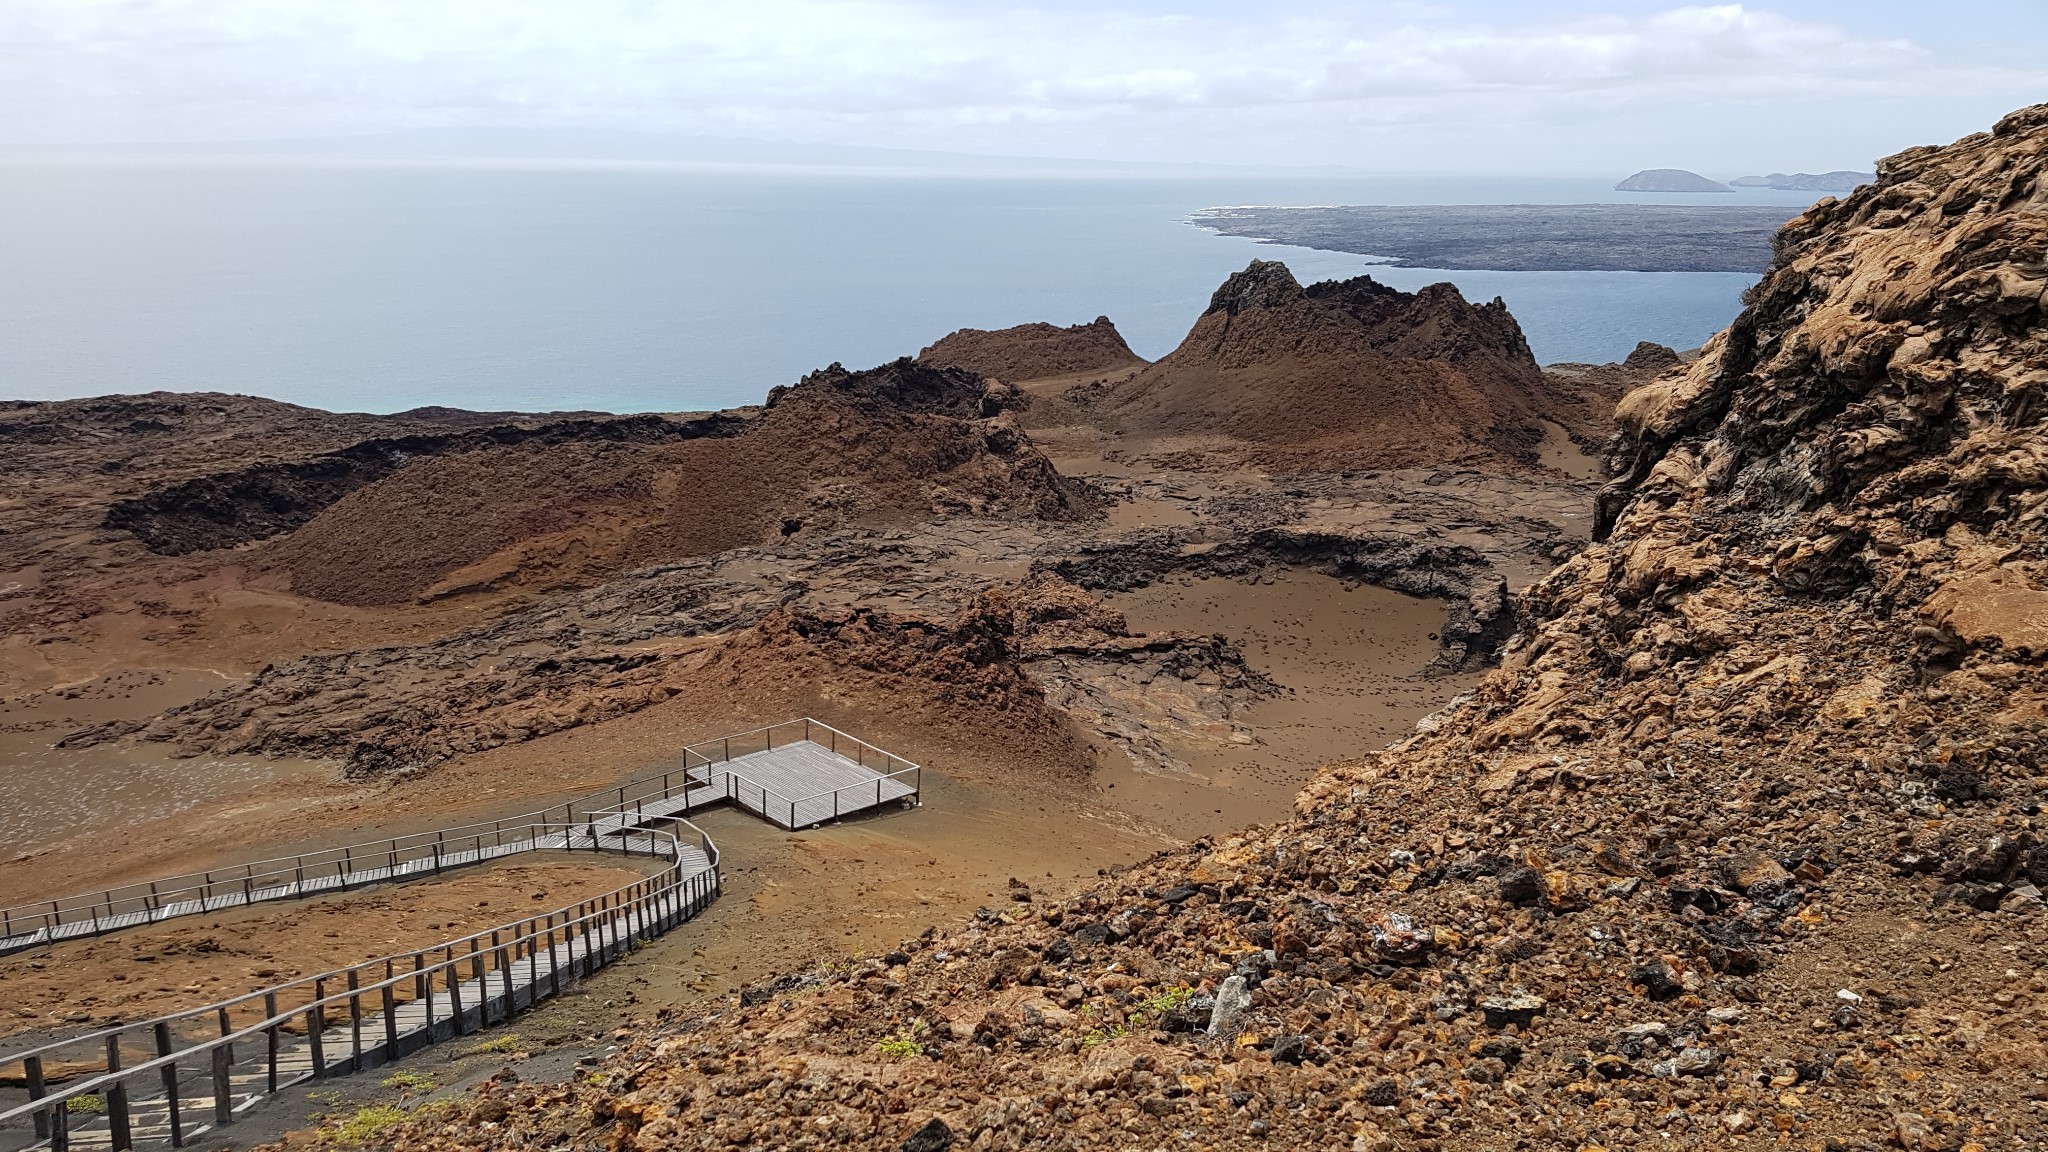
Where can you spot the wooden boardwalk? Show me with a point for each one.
(796, 782)
(178, 1076)
(188, 1103)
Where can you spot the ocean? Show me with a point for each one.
(664, 288)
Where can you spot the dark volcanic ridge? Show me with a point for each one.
(275, 497)
(393, 519)
(1524, 237)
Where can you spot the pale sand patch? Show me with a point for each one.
(1350, 657)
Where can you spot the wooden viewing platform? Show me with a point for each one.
(797, 785)
(177, 1076)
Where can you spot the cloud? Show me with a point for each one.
(1308, 80)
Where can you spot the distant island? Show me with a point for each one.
(1837, 181)
(1669, 180)
(1524, 237)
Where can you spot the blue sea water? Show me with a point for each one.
(667, 289)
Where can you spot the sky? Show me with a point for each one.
(1536, 86)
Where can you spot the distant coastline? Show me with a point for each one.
(1523, 237)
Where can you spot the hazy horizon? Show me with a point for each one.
(518, 145)
(1567, 87)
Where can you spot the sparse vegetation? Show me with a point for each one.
(1150, 1008)
(1160, 1003)
(86, 1105)
(506, 1045)
(904, 1045)
(411, 1082)
(365, 1125)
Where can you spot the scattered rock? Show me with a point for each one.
(935, 1136)
(1520, 1010)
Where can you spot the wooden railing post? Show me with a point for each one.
(32, 1076)
(390, 1004)
(483, 986)
(270, 1043)
(505, 972)
(427, 997)
(454, 979)
(355, 1022)
(316, 1023)
(59, 1126)
(223, 1089)
(170, 1075)
(121, 1138)
(554, 961)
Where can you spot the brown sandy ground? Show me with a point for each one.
(722, 678)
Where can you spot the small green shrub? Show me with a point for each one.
(366, 1125)
(411, 1082)
(904, 1045)
(86, 1105)
(1160, 1003)
(1104, 1035)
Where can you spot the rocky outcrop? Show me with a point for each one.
(608, 653)
(1586, 394)
(1034, 351)
(837, 447)
(1742, 842)
(1342, 374)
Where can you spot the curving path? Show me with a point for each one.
(175, 1077)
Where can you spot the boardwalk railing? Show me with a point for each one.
(177, 1075)
(705, 779)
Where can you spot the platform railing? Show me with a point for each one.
(708, 778)
(577, 939)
